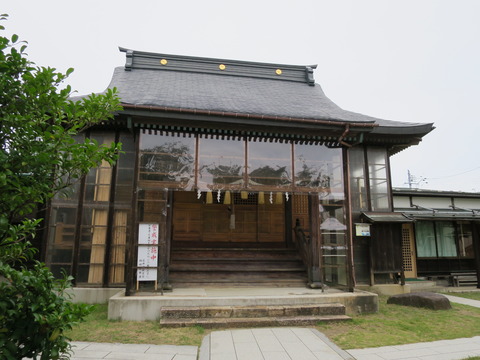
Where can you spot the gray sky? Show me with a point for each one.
(410, 60)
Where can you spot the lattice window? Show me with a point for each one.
(407, 249)
(300, 204)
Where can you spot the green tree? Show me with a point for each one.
(39, 157)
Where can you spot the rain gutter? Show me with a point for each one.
(346, 124)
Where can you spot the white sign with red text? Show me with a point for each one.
(147, 260)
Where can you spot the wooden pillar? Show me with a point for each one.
(130, 251)
(165, 244)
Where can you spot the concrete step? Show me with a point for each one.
(253, 322)
(243, 316)
(148, 307)
(177, 312)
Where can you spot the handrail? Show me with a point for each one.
(302, 242)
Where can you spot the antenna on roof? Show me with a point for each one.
(413, 180)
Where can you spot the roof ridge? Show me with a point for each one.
(157, 61)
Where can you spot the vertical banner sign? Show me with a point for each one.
(147, 262)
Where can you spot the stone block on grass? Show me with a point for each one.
(421, 299)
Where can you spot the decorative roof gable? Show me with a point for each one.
(201, 65)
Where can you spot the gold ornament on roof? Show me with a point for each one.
(222, 67)
(278, 71)
(164, 61)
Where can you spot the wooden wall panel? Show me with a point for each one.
(198, 222)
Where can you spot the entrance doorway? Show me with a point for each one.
(236, 241)
(240, 221)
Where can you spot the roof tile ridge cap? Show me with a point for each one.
(216, 60)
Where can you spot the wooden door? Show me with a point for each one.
(187, 217)
(242, 222)
(408, 251)
(271, 223)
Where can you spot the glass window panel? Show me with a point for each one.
(152, 195)
(95, 216)
(425, 239)
(152, 205)
(446, 239)
(332, 225)
(124, 176)
(90, 273)
(221, 164)
(94, 255)
(118, 247)
(61, 255)
(126, 160)
(123, 194)
(378, 176)
(63, 215)
(69, 194)
(117, 274)
(357, 179)
(377, 156)
(93, 240)
(84, 255)
(61, 235)
(59, 270)
(168, 159)
(335, 269)
(103, 137)
(98, 183)
(380, 201)
(127, 141)
(465, 240)
(379, 186)
(269, 165)
(318, 167)
(378, 171)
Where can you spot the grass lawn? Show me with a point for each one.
(394, 324)
(98, 328)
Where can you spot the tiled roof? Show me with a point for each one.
(236, 87)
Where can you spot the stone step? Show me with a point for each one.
(210, 323)
(235, 254)
(236, 266)
(182, 278)
(206, 312)
(418, 285)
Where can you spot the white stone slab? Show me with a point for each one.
(172, 349)
(241, 336)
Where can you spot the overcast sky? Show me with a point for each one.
(409, 60)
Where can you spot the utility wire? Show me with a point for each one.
(449, 176)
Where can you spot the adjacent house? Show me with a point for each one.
(443, 242)
(234, 172)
